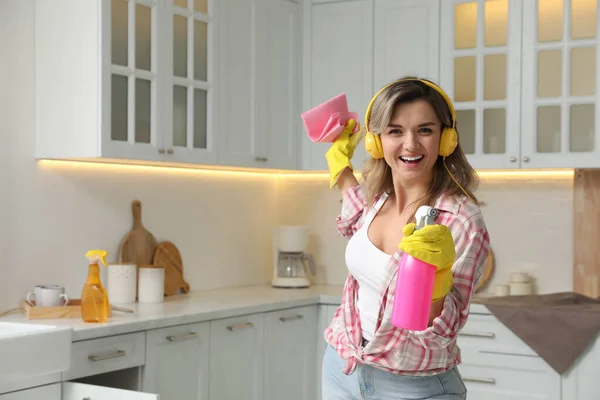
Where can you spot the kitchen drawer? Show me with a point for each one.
(484, 333)
(97, 356)
(518, 381)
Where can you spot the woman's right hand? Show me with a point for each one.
(341, 151)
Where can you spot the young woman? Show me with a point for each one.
(416, 159)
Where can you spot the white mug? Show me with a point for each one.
(48, 296)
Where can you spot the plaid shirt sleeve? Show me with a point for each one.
(472, 243)
(353, 205)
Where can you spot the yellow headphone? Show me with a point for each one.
(448, 139)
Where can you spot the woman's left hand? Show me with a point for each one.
(434, 245)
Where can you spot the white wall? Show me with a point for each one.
(530, 221)
(51, 215)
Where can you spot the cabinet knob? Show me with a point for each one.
(525, 159)
(512, 159)
(170, 151)
(161, 151)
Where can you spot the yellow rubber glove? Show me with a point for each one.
(341, 151)
(434, 245)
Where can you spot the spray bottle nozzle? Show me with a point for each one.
(425, 215)
(96, 255)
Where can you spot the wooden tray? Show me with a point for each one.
(71, 310)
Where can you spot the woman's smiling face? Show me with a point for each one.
(411, 142)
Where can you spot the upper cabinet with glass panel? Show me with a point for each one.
(480, 54)
(547, 117)
(191, 79)
(138, 80)
(560, 86)
(133, 80)
(126, 79)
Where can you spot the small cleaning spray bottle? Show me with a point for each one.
(94, 300)
(414, 284)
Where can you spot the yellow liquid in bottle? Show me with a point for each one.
(94, 300)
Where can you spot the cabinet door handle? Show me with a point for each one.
(478, 334)
(114, 354)
(525, 159)
(490, 381)
(261, 159)
(512, 159)
(182, 337)
(240, 326)
(161, 151)
(286, 319)
(170, 151)
(504, 353)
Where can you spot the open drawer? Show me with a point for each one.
(76, 391)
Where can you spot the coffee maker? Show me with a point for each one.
(289, 258)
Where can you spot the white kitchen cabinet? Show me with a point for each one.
(125, 80)
(522, 75)
(259, 83)
(325, 315)
(560, 93)
(581, 381)
(236, 358)
(289, 354)
(338, 58)
(357, 47)
(47, 392)
(498, 365)
(76, 391)
(177, 362)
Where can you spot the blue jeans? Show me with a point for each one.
(369, 383)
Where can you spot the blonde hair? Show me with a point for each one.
(377, 174)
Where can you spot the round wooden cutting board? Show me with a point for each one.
(167, 256)
(487, 272)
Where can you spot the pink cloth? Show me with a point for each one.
(325, 122)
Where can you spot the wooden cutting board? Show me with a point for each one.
(139, 245)
(167, 256)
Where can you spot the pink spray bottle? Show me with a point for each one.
(414, 285)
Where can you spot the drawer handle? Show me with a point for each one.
(182, 337)
(490, 381)
(115, 354)
(478, 334)
(504, 353)
(240, 326)
(286, 319)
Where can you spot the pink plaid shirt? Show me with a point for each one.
(400, 351)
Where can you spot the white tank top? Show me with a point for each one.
(367, 264)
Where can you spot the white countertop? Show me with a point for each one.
(194, 307)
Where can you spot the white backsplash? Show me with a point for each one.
(530, 221)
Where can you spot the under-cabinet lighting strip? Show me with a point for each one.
(249, 172)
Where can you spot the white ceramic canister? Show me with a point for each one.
(151, 284)
(121, 283)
